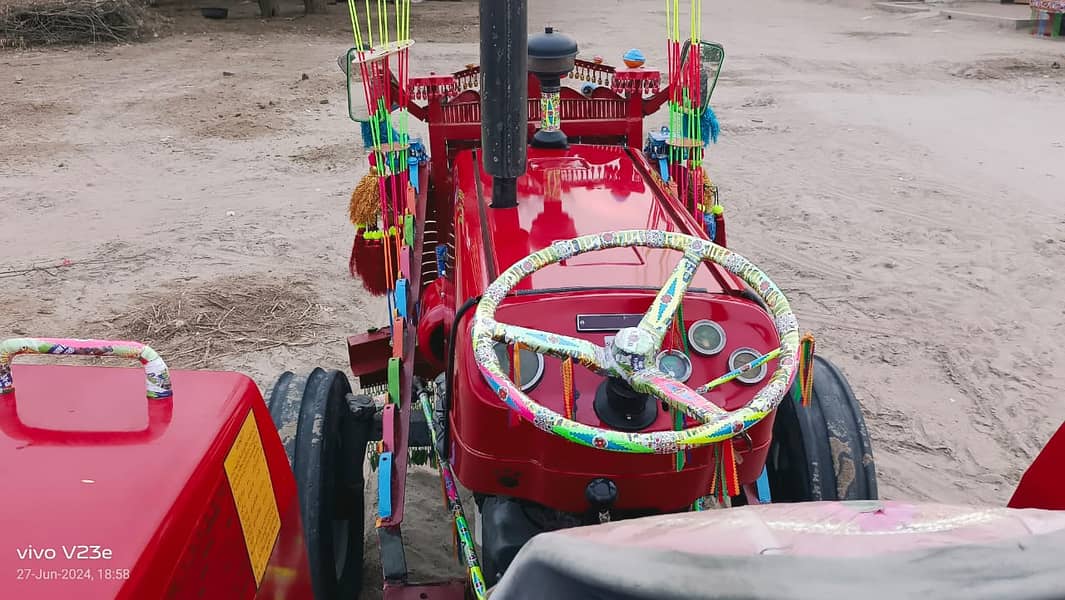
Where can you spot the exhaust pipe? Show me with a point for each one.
(504, 96)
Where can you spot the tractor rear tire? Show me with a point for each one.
(821, 451)
(326, 443)
(284, 405)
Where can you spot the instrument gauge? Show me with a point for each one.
(745, 356)
(706, 337)
(675, 364)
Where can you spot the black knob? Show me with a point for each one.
(549, 29)
(623, 408)
(601, 493)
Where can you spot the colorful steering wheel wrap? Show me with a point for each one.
(631, 356)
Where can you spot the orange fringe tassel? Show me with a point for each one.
(515, 370)
(732, 475)
(806, 367)
(567, 388)
(515, 365)
(726, 478)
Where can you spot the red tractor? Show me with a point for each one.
(574, 284)
(571, 340)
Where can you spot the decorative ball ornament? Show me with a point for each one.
(633, 58)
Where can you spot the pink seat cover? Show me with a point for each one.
(839, 529)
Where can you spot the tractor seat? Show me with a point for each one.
(815, 550)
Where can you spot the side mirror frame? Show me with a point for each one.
(712, 56)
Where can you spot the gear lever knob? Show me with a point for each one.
(601, 493)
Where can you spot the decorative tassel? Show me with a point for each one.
(710, 126)
(515, 365)
(721, 494)
(682, 330)
(367, 134)
(709, 192)
(515, 376)
(373, 454)
(365, 206)
(678, 415)
(715, 479)
(731, 473)
(678, 425)
(719, 225)
(384, 129)
(567, 388)
(806, 368)
(367, 259)
(367, 262)
(416, 455)
(710, 207)
(725, 482)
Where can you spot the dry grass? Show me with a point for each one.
(194, 327)
(47, 22)
(1011, 68)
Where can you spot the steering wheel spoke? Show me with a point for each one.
(658, 317)
(584, 352)
(656, 383)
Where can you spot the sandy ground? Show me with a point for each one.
(900, 177)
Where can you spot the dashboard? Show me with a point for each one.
(719, 333)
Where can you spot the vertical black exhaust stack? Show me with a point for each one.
(504, 96)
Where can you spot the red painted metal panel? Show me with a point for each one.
(434, 326)
(215, 564)
(613, 195)
(1042, 485)
(368, 355)
(160, 505)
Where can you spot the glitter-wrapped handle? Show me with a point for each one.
(157, 376)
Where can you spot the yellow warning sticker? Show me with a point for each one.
(253, 492)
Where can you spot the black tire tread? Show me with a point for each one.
(828, 453)
(848, 441)
(284, 402)
(319, 440)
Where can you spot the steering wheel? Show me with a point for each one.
(631, 355)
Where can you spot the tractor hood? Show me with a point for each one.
(108, 494)
(565, 194)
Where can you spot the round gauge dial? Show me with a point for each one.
(532, 365)
(674, 364)
(706, 337)
(745, 356)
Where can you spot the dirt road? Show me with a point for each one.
(900, 177)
